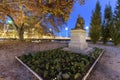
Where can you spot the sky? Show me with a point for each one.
(84, 11)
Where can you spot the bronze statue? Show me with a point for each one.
(79, 23)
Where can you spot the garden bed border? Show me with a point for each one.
(34, 73)
(40, 78)
(93, 65)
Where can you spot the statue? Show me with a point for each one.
(79, 23)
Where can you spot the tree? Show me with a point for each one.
(30, 26)
(1, 28)
(107, 23)
(95, 29)
(115, 30)
(49, 12)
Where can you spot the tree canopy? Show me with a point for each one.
(48, 12)
(56, 11)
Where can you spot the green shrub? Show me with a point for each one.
(60, 64)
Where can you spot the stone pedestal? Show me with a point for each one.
(78, 40)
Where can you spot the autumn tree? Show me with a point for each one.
(33, 27)
(1, 28)
(48, 12)
(95, 29)
(107, 24)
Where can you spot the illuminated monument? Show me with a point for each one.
(78, 37)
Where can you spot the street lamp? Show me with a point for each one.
(51, 32)
(87, 29)
(66, 28)
(50, 29)
(10, 21)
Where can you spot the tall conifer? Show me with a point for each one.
(115, 30)
(95, 29)
(106, 24)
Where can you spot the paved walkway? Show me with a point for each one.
(10, 68)
(108, 68)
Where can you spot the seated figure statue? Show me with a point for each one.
(79, 23)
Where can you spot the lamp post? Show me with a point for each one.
(50, 29)
(66, 28)
(51, 33)
(87, 29)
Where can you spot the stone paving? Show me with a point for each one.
(108, 67)
(10, 68)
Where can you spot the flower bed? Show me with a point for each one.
(60, 65)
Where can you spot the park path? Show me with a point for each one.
(10, 68)
(108, 68)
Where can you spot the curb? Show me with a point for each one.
(84, 78)
(34, 73)
(91, 68)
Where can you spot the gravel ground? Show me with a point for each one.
(10, 68)
(108, 68)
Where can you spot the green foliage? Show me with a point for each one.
(60, 64)
(115, 30)
(95, 29)
(115, 35)
(107, 23)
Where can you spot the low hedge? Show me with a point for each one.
(57, 64)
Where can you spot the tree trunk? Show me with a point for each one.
(19, 29)
(21, 33)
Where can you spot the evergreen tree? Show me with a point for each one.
(95, 29)
(115, 30)
(106, 24)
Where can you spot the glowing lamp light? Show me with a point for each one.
(50, 29)
(9, 21)
(86, 27)
(66, 28)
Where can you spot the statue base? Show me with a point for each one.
(78, 40)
